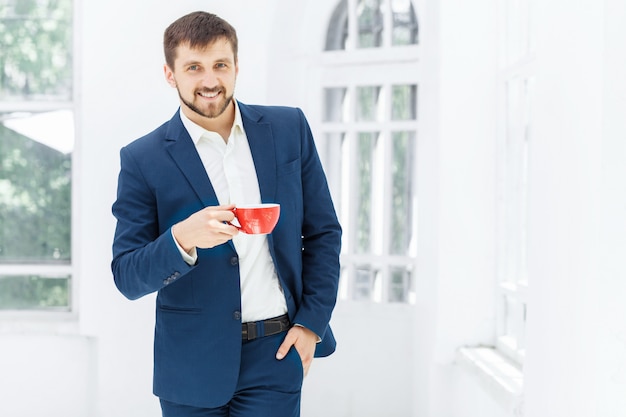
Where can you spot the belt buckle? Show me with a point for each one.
(251, 332)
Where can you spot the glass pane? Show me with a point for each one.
(335, 104)
(399, 285)
(404, 102)
(35, 187)
(370, 20)
(368, 104)
(363, 283)
(404, 23)
(36, 59)
(365, 149)
(515, 172)
(402, 182)
(514, 320)
(34, 292)
(337, 34)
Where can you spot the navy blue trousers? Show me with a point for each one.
(267, 387)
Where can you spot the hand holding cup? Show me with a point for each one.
(257, 218)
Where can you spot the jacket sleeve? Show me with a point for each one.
(321, 244)
(144, 260)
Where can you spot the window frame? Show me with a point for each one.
(514, 136)
(58, 317)
(351, 68)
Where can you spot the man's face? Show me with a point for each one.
(205, 78)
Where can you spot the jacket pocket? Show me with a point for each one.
(179, 310)
(288, 168)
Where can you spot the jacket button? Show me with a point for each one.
(237, 315)
(234, 260)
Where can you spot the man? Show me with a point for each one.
(239, 317)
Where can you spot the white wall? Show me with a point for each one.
(610, 353)
(456, 186)
(564, 238)
(576, 334)
(46, 375)
(577, 326)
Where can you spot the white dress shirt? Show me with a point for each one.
(231, 170)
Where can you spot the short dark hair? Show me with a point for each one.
(197, 29)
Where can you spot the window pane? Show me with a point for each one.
(404, 102)
(35, 40)
(404, 23)
(35, 188)
(337, 34)
(363, 283)
(365, 149)
(400, 285)
(514, 320)
(402, 183)
(335, 104)
(368, 104)
(34, 292)
(515, 177)
(370, 20)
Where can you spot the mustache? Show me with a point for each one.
(210, 90)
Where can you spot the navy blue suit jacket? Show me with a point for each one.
(162, 181)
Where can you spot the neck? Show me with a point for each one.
(221, 124)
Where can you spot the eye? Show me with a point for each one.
(193, 68)
(221, 65)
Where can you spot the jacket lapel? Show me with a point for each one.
(182, 149)
(262, 147)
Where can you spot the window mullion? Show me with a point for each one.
(353, 26)
(387, 23)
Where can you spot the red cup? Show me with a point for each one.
(257, 219)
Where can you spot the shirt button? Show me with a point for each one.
(234, 260)
(237, 315)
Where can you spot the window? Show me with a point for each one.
(36, 143)
(369, 119)
(514, 139)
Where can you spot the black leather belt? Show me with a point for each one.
(256, 329)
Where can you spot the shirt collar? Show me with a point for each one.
(196, 131)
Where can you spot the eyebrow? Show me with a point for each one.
(197, 62)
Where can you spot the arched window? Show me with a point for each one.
(372, 23)
(369, 119)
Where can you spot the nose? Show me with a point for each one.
(210, 79)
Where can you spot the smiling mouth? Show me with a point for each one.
(209, 94)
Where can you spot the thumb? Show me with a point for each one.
(283, 349)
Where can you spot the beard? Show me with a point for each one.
(215, 109)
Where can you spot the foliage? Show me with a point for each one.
(33, 292)
(35, 49)
(35, 200)
(35, 180)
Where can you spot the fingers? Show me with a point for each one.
(304, 341)
(289, 341)
(206, 228)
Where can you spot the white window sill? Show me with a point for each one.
(502, 378)
(38, 322)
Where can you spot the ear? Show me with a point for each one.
(169, 76)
